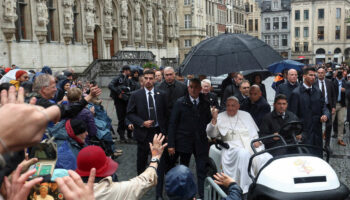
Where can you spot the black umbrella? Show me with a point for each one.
(228, 53)
(250, 74)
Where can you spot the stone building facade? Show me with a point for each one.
(236, 16)
(320, 30)
(73, 33)
(253, 18)
(275, 19)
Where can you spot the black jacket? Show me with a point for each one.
(257, 110)
(309, 108)
(121, 85)
(187, 126)
(226, 82)
(212, 98)
(272, 123)
(286, 89)
(331, 94)
(137, 112)
(172, 92)
(240, 98)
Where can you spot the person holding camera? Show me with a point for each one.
(120, 88)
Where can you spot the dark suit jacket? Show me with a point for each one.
(212, 98)
(331, 95)
(179, 90)
(137, 112)
(240, 97)
(343, 96)
(272, 123)
(226, 82)
(257, 110)
(309, 108)
(286, 89)
(187, 126)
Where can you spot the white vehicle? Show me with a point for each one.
(299, 175)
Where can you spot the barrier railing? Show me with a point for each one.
(212, 191)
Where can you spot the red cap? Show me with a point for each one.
(19, 73)
(94, 157)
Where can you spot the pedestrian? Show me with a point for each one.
(308, 104)
(120, 88)
(229, 80)
(147, 112)
(186, 132)
(287, 87)
(243, 94)
(208, 95)
(105, 188)
(273, 122)
(173, 90)
(257, 80)
(340, 110)
(256, 105)
(329, 94)
(232, 89)
(21, 76)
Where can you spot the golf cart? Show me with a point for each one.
(298, 175)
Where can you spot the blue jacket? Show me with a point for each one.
(234, 192)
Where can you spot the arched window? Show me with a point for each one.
(52, 26)
(77, 37)
(23, 27)
(337, 51)
(320, 51)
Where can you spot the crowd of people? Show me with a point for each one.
(170, 117)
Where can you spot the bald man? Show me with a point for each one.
(257, 105)
(288, 87)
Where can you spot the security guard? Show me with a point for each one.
(120, 87)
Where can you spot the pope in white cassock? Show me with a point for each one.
(237, 128)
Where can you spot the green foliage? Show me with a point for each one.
(150, 65)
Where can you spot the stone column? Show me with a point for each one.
(68, 22)
(42, 20)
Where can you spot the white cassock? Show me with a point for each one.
(238, 131)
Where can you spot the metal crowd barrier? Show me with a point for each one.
(212, 191)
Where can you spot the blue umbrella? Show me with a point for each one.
(278, 67)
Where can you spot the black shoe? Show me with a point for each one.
(328, 149)
(334, 136)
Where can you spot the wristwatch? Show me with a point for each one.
(153, 160)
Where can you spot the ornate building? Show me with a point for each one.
(253, 18)
(320, 30)
(73, 33)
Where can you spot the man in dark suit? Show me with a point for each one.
(209, 96)
(147, 112)
(229, 80)
(340, 108)
(233, 89)
(274, 121)
(187, 130)
(173, 89)
(243, 95)
(307, 103)
(256, 105)
(287, 87)
(328, 93)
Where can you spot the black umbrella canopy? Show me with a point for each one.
(228, 53)
(250, 74)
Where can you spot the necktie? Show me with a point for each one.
(152, 112)
(308, 90)
(323, 91)
(195, 103)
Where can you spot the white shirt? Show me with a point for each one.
(154, 102)
(307, 87)
(192, 99)
(325, 89)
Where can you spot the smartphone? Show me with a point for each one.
(47, 156)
